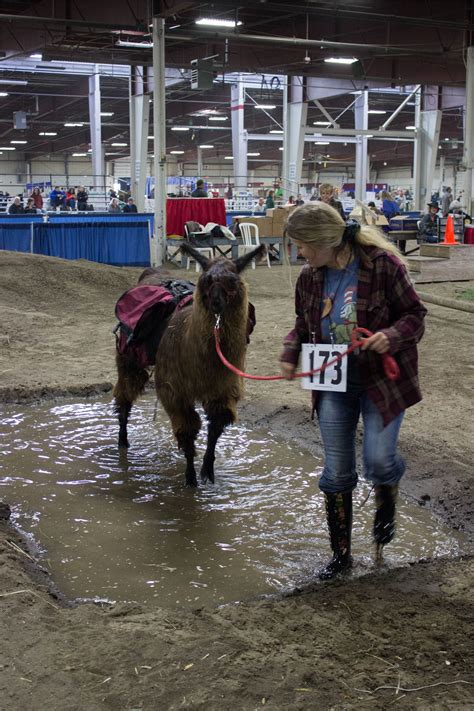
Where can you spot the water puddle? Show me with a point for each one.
(124, 527)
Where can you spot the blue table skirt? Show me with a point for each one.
(114, 239)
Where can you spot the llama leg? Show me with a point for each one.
(219, 417)
(130, 384)
(186, 424)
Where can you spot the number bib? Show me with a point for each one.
(334, 377)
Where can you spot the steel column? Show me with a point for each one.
(469, 133)
(159, 132)
(96, 133)
(361, 119)
(239, 134)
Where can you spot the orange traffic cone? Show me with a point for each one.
(449, 233)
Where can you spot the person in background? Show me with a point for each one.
(114, 206)
(456, 209)
(278, 191)
(16, 208)
(299, 199)
(374, 208)
(130, 206)
(428, 228)
(82, 198)
(260, 206)
(30, 208)
(291, 200)
(37, 198)
(200, 192)
(270, 202)
(56, 197)
(355, 277)
(326, 195)
(446, 200)
(71, 198)
(389, 206)
(229, 194)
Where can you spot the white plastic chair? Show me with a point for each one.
(250, 239)
(206, 251)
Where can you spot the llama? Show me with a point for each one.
(188, 370)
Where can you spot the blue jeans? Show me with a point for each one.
(338, 415)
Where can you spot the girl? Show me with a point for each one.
(354, 277)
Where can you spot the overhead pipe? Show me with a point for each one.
(297, 42)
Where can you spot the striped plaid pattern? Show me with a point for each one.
(387, 302)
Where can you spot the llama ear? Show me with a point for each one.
(242, 262)
(186, 248)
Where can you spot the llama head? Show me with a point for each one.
(219, 285)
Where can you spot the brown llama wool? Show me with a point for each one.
(188, 370)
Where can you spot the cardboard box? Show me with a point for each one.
(264, 224)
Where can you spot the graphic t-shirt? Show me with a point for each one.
(341, 287)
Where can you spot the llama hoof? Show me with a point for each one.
(124, 443)
(191, 479)
(207, 476)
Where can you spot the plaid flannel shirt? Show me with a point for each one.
(387, 302)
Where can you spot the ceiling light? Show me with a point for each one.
(7, 148)
(206, 112)
(74, 125)
(410, 128)
(385, 162)
(376, 111)
(106, 113)
(276, 130)
(180, 128)
(253, 154)
(341, 60)
(48, 133)
(205, 145)
(151, 138)
(228, 157)
(447, 139)
(18, 141)
(177, 153)
(173, 27)
(321, 123)
(119, 144)
(264, 106)
(3, 93)
(216, 22)
(79, 155)
(36, 56)
(281, 149)
(16, 82)
(136, 45)
(370, 135)
(112, 154)
(218, 118)
(322, 143)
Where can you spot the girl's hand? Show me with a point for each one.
(378, 343)
(288, 370)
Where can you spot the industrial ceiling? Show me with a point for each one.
(396, 44)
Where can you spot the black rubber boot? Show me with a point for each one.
(339, 518)
(384, 523)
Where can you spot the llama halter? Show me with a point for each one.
(390, 365)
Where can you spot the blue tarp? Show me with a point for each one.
(114, 239)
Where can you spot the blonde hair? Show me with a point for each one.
(385, 195)
(320, 225)
(326, 188)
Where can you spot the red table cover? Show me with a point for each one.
(469, 235)
(202, 210)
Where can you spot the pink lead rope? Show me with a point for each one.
(390, 365)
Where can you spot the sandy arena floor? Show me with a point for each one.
(400, 638)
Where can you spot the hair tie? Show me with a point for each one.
(351, 230)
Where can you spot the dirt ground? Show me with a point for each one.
(391, 638)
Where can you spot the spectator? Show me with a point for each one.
(299, 200)
(16, 208)
(260, 206)
(270, 202)
(30, 207)
(446, 200)
(114, 206)
(82, 198)
(130, 206)
(71, 198)
(57, 197)
(37, 198)
(200, 192)
(326, 194)
(291, 200)
(374, 208)
(278, 191)
(389, 206)
(428, 227)
(456, 209)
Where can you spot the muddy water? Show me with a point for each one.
(124, 527)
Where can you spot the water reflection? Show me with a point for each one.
(123, 526)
